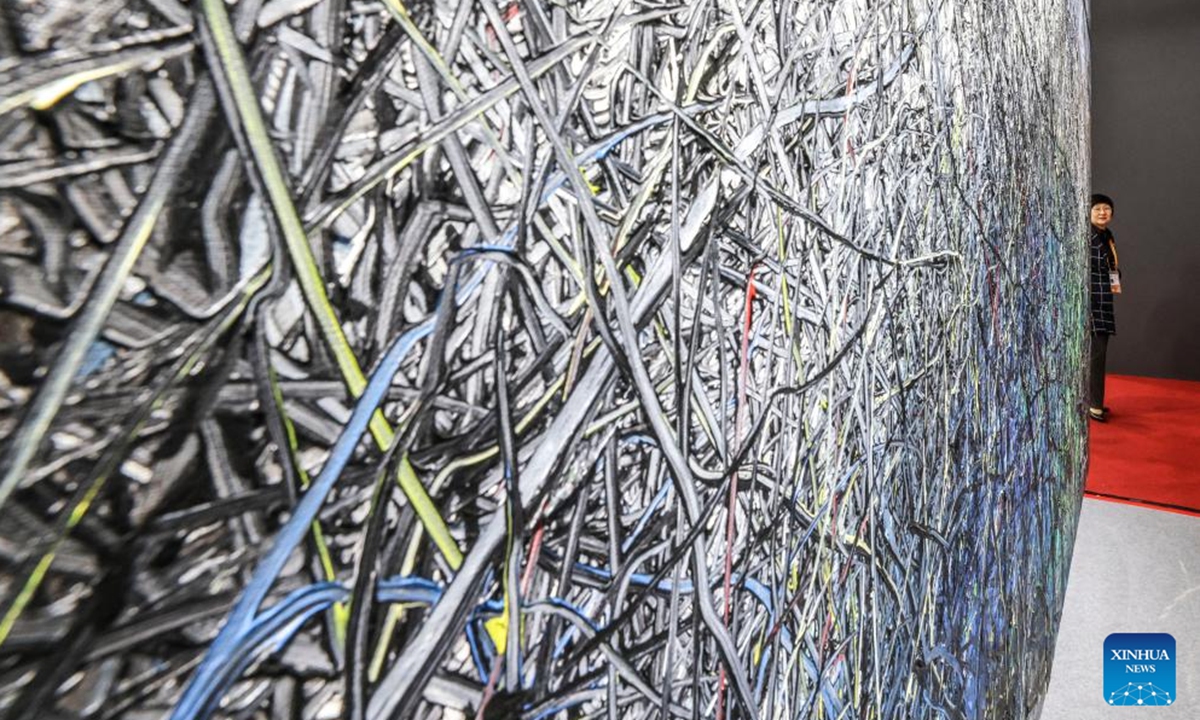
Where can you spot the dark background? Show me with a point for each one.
(1146, 155)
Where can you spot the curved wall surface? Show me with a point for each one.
(536, 359)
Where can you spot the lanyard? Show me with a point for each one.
(1113, 247)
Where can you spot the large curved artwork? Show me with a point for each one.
(388, 359)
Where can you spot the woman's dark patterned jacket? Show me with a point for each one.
(1103, 320)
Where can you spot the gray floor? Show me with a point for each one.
(1134, 570)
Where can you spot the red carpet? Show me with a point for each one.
(1149, 450)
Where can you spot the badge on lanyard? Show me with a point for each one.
(1114, 275)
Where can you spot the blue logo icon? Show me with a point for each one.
(1139, 669)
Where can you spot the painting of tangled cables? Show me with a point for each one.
(384, 359)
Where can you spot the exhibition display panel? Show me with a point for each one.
(539, 359)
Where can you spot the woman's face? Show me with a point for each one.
(1101, 215)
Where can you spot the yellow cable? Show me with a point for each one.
(311, 283)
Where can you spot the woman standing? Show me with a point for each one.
(1104, 282)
